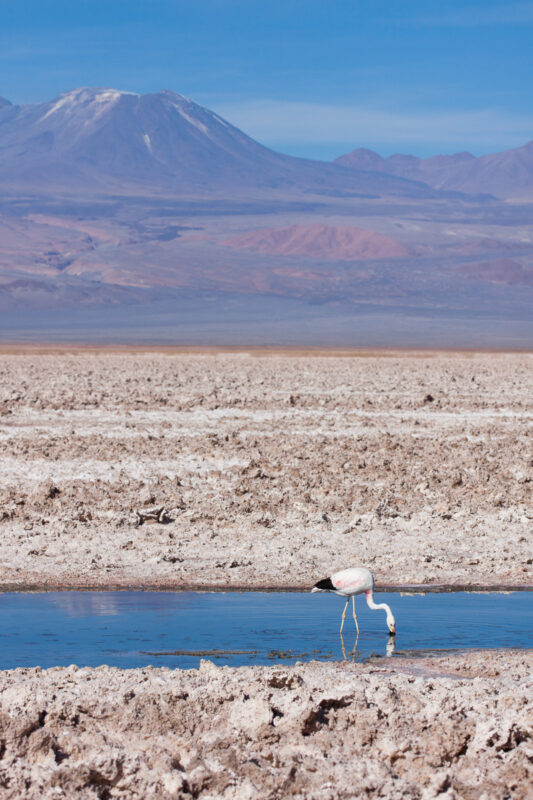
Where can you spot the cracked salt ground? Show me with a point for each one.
(176, 629)
(459, 727)
(272, 469)
(343, 460)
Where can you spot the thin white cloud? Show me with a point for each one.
(276, 122)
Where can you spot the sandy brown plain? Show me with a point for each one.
(275, 468)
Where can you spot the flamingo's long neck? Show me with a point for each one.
(376, 606)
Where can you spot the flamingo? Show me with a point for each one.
(349, 582)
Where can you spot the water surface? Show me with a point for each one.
(177, 629)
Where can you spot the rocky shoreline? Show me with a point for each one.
(452, 726)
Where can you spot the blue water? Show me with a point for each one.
(176, 629)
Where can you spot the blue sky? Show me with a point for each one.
(314, 78)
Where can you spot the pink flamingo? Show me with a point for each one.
(349, 582)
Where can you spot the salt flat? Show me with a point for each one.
(454, 727)
(276, 468)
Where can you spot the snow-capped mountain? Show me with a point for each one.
(105, 138)
(112, 200)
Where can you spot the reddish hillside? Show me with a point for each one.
(319, 241)
(502, 270)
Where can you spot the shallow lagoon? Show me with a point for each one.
(176, 629)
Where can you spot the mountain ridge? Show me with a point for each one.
(505, 174)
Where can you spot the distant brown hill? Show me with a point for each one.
(501, 270)
(505, 174)
(319, 241)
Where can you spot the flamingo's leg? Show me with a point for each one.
(344, 613)
(354, 614)
(343, 647)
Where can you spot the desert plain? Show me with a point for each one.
(275, 469)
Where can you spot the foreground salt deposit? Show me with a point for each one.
(454, 727)
(275, 468)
